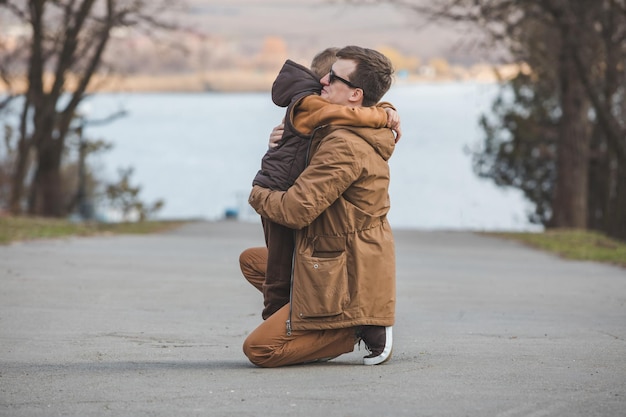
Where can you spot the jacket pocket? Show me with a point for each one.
(328, 246)
(320, 286)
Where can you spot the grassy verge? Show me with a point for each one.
(574, 244)
(26, 228)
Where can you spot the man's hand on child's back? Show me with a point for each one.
(276, 135)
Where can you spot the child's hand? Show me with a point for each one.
(276, 135)
(393, 122)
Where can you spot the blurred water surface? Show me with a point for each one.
(199, 152)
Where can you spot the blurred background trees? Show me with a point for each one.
(61, 54)
(558, 129)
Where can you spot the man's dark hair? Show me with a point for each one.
(373, 73)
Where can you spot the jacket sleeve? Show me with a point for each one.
(332, 169)
(313, 111)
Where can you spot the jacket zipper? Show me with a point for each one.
(293, 255)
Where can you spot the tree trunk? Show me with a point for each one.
(570, 194)
(19, 175)
(616, 222)
(46, 197)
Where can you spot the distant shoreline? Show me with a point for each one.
(241, 81)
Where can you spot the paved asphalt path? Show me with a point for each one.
(153, 326)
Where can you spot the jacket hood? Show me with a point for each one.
(382, 140)
(293, 80)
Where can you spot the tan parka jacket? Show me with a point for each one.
(344, 261)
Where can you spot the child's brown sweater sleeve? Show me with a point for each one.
(313, 111)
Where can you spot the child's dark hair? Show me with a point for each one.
(323, 61)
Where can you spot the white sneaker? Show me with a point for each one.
(379, 341)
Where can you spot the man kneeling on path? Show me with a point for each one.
(343, 281)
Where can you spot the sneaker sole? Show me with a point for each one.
(386, 354)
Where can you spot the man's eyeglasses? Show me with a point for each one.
(332, 77)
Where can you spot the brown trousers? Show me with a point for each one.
(269, 346)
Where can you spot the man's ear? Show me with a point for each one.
(356, 97)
